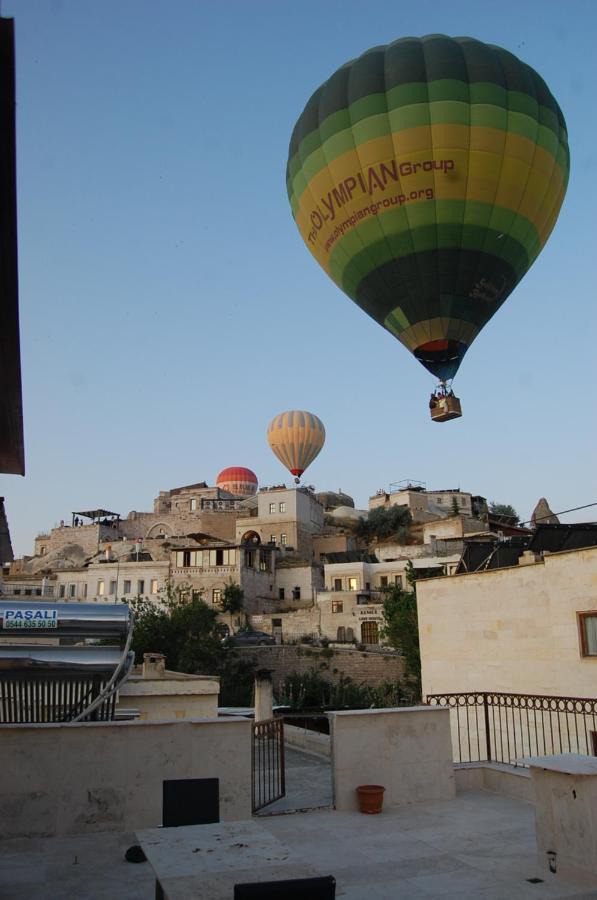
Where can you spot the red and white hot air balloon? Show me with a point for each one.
(238, 480)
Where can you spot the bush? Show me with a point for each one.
(309, 690)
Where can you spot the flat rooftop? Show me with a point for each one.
(480, 845)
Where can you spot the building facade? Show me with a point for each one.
(529, 628)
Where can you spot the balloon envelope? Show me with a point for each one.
(296, 437)
(237, 480)
(425, 177)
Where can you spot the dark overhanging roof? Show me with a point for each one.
(12, 453)
(350, 556)
(95, 513)
(479, 556)
(555, 538)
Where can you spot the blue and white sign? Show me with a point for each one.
(30, 619)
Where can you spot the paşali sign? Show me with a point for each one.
(30, 618)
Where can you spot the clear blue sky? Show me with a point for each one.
(169, 307)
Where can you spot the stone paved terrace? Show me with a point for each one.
(479, 845)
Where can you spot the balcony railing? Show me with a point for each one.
(504, 728)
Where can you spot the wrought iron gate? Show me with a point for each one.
(267, 752)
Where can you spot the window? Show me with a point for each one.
(154, 586)
(61, 593)
(398, 580)
(193, 504)
(296, 593)
(280, 593)
(272, 507)
(383, 581)
(272, 538)
(112, 588)
(222, 557)
(337, 584)
(72, 590)
(100, 588)
(283, 539)
(341, 634)
(352, 584)
(337, 606)
(439, 499)
(85, 590)
(127, 586)
(588, 633)
(250, 559)
(216, 595)
(282, 507)
(140, 587)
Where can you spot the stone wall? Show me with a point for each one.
(107, 776)
(362, 666)
(514, 630)
(412, 755)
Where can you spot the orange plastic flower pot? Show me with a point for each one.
(370, 798)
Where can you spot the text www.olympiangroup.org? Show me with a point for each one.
(372, 209)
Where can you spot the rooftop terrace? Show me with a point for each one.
(479, 845)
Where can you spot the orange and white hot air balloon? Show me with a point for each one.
(238, 480)
(296, 437)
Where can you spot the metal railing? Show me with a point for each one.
(504, 728)
(267, 752)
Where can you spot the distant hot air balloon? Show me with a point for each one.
(296, 437)
(237, 480)
(425, 177)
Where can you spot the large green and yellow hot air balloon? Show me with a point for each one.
(425, 177)
(296, 437)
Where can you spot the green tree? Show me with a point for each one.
(233, 600)
(383, 523)
(185, 630)
(401, 626)
(503, 509)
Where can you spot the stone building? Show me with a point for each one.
(425, 505)
(294, 555)
(284, 517)
(529, 627)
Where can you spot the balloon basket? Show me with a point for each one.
(446, 408)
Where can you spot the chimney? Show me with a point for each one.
(154, 665)
(264, 695)
(528, 558)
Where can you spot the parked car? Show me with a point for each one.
(250, 639)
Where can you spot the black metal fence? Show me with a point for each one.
(268, 762)
(504, 728)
